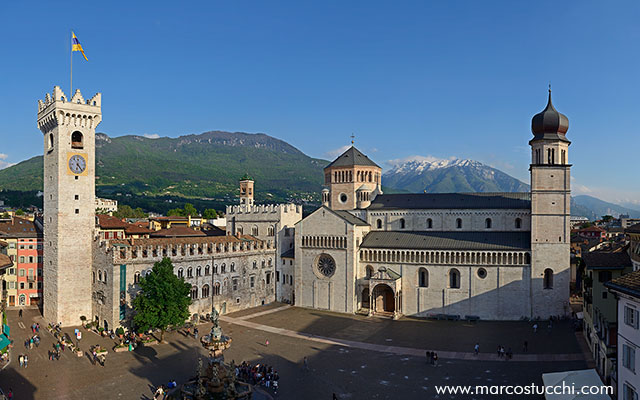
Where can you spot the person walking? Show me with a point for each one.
(159, 393)
(305, 363)
(26, 360)
(525, 347)
(10, 394)
(20, 313)
(535, 328)
(435, 359)
(21, 359)
(476, 348)
(195, 333)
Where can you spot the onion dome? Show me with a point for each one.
(549, 124)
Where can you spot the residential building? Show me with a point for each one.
(592, 232)
(599, 307)
(627, 291)
(633, 236)
(106, 205)
(627, 222)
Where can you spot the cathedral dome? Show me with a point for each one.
(550, 124)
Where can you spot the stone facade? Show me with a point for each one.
(226, 272)
(493, 256)
(68, 125)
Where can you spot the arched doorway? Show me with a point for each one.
(365, 298)
(383, 298)
(22, 300)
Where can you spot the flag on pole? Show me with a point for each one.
(76, 46)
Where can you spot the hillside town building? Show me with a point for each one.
(498, 256)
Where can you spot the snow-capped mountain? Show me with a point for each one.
(447, 176)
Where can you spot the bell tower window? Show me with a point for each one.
(50, 141)
(76, 140)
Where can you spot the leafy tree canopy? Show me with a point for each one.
(175, 212)
(163, 299)
(210, 213)
(607, 218)
(19, 211)
(125, 211)
(188, 210)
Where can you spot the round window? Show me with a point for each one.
(326, 265)
(343, 198)
(482, 273)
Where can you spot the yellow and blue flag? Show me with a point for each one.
(76, 46)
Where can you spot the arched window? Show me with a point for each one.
(223, 268)
(198, 271)
(100, 275)
(215, 268)
(454, 279)
(216, 289)
(136, 277)
(379, 224)
(271, 231)
(423, 277)
(194, 292)
(429, 223)
(205, 291)
(518, 223)
(50, 141)
(76, 140)
(189, 272)
(369, 271)
(180, 273)
(254, 231)
(548, 279)
(232, 267)
(487, 223)
(563, 156)
(94, 276)
(459, 223)
(105, 277)
(402, 223)
(207, 270)
(527, 258)
(239, 230)
(255, 265)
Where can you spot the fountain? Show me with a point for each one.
(218, 380)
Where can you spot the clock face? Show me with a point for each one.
(77, 164)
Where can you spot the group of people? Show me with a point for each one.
(506, 354)
(33, 340)
(259, 374)
(24, 360)
(432, 356)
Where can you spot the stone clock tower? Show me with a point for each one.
(69, 126)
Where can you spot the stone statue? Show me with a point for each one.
(216, 331)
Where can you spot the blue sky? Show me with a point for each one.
(441, 79)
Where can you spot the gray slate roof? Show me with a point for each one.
(346, 215)
(515, 200)
(633, 229)
(352, 157)
(607, 259)
(449, 240)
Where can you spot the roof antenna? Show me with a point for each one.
(352, 138)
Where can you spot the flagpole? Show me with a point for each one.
(71, 69)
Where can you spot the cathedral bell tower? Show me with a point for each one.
(353, 181)
(246, 191)
(550, 213)
(69, 126)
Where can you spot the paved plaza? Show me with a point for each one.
(355, 357)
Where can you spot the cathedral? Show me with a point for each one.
(495, 256)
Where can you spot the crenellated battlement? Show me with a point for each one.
(58, 109)
(263, 209)
(124, 251)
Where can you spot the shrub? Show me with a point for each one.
(120, 331)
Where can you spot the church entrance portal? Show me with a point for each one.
(384, 299)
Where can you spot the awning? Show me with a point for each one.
(577, 380)
(4, 341)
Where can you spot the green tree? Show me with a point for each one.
(189, 209)
(19, 211)
(163, 299)
(210, 213)
(175, 212)
(607, 218)
(125, 211)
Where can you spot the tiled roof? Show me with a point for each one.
(352, 157)
(177, 231)
(108, 222)
(350, 218)
(627, 283)
(172, 218)
(19, 228)
(592, 229)
(212, 230)
(5, 261)
(515, 200)
(618, 259)
(158, 241)
(428, 240)
(633, 229)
